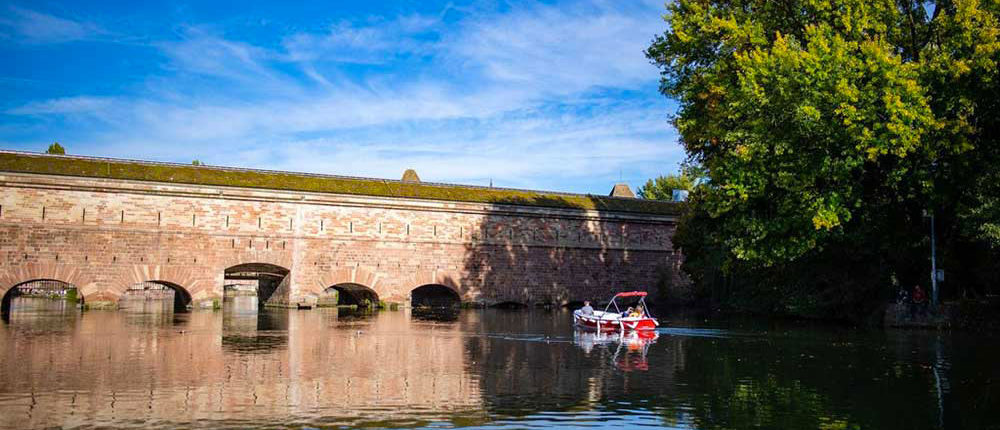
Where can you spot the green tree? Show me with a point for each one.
(662, 187)
(197, 163)
(831, 126)
(56, 148)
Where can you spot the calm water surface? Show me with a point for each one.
(240, 368)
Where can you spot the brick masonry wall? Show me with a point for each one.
(105, 235)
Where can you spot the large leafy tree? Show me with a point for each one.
(828, 127)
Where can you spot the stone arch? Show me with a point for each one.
(355, 294)
(181, 297)
(434, 296)
(353, 274)
(15, 290)
(266, 278)
(68, 273)
(444, 278)
(195, 283)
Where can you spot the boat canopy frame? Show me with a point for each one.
(642, 302)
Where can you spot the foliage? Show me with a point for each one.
(196, 163)
(662, 187)
(56, 149)
(826, 129)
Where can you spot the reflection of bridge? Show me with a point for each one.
(399, 367)
(105, 226)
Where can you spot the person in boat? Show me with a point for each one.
(637, 312)
(627, 312)
(586, 309)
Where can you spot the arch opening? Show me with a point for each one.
(153, 296)
(434, 296)
(354, 294)
(40, 294)
(254, 279)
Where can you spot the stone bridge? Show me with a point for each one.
(104, 226)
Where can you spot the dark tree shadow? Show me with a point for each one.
(524, 255)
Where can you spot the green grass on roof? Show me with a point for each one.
(206, 175)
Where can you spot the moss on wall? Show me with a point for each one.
(206, 175)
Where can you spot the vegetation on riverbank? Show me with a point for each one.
(828, 132)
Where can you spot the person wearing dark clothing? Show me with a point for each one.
(919, 299)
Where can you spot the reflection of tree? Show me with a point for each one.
(799, 379)
(815, 382)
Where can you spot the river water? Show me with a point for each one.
(320, 368)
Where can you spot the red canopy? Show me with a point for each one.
(631, 294)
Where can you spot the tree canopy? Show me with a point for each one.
(826, 124)
(56, 148)
(662, 187)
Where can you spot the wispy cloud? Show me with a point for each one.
(63, 106)
(560, 49)
(30, 26)
(375, 41)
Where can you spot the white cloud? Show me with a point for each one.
(561, 49)
(36, 27)
(62, 106)
(376, 41)
(201, 52)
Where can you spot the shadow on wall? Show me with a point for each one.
(515, 261)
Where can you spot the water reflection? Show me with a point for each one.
(630, 349)
(247, 328)
(246, 367)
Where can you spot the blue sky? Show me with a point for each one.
(553, 95)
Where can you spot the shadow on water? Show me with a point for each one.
(440, 314)
(247, 329)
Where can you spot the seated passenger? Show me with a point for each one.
(627, 312)
(637, 313)
(586, 309)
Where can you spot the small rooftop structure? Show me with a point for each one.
(410, 175)
(622, 190)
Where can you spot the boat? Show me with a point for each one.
(613, 321)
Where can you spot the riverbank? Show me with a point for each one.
(964, 315)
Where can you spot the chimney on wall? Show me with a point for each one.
(622, 190)
(410, 175)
